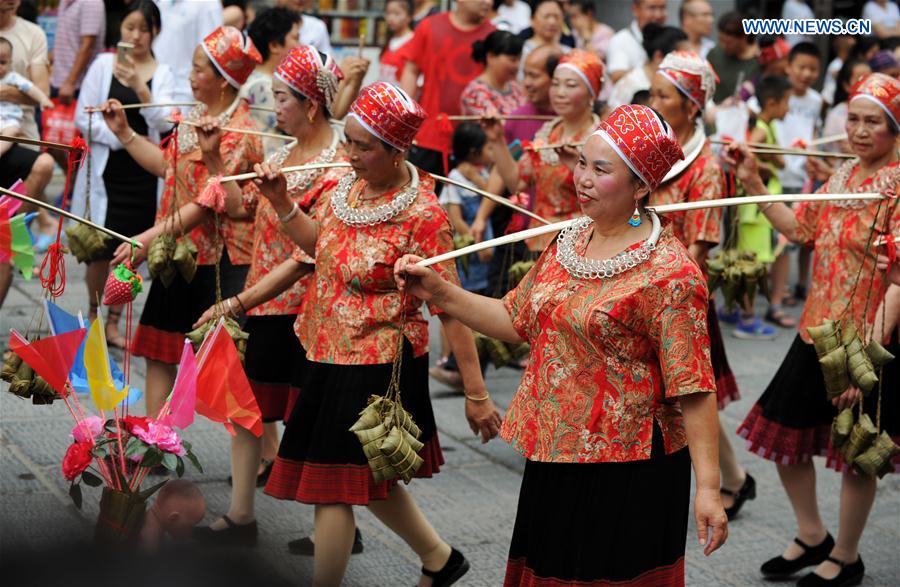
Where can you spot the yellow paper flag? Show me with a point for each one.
(99, 373)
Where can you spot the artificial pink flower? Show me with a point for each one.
(156, 434)
(87, 429)
(78, 457)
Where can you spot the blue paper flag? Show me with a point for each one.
(61, 321)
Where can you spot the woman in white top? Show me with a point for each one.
(659, 41)
(123, 195)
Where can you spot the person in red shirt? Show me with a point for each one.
(440, 50)
(398, 17)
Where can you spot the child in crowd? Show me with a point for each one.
(472, 168)
(754, 231)
(841, 46)
(398, 18)
(11, 113)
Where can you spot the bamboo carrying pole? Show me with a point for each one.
(256, 133)
(92, 109)
(720, 203)
(494, 197)
(462, 117)
(70, 216)
(36, 143)
(766, 148)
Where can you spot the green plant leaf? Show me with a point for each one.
(145, 494)
(179, 469)
(100, 452)
(91, 480)
(186, 445)
(169, 461)
(193, 458)
(152, 457)
(135, 447)
(75, 494)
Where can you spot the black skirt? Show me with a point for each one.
(130, 197)
(791, 421)
(622, 524)
(274, 360)
(320, 461)
(170, 312)
(726, 384)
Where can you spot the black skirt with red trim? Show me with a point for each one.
(274, 360)
(791, 421)
(602, 524)
(320, 461)
(170, 312)
(726, 384)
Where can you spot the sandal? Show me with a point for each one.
(776, 316)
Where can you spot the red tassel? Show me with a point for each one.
(213, 195)
(53, 267)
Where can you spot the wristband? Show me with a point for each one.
(130, 138)
(477, 399)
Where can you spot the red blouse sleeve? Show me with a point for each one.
(704, 225)
(807, 215)
(680, 337)
(434, 236)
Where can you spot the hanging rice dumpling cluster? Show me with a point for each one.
(87, 243)
(869, 452)
(518, 271)
(239, 337)
(500, 353)
(845, 360)
(389, 438)
(739, 275)
(461, 241)
(168, 257)
(24, 382)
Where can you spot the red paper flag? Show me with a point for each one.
(223, 392)
(50, 357)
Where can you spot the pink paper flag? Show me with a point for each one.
(184, 394)
(51, 357)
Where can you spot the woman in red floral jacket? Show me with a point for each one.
(380, 211)
(619, 385)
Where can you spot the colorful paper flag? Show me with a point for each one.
(61, 321)
(223, 392)
(21, 246)
(51, 357)
(184, 394)
(104, 392)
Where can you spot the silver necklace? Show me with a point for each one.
(302, 179)
(187, 134)
(378, 214)
(583, 268)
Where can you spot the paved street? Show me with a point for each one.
(472, 502)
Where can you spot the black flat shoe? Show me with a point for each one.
(747, 491)
(306, 547)
(262, 478)
(456, 567)
(851, 574)
(780, 567)
(243, 535)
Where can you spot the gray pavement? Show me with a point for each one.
(472, 502)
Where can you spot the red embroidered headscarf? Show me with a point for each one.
(233, 54)
(587, 65)
(692, 75)
(882, 89)
(388, 113)
(643, 140)
(313, 74)
(777, 50)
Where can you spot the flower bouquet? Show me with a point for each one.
(114, 452)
